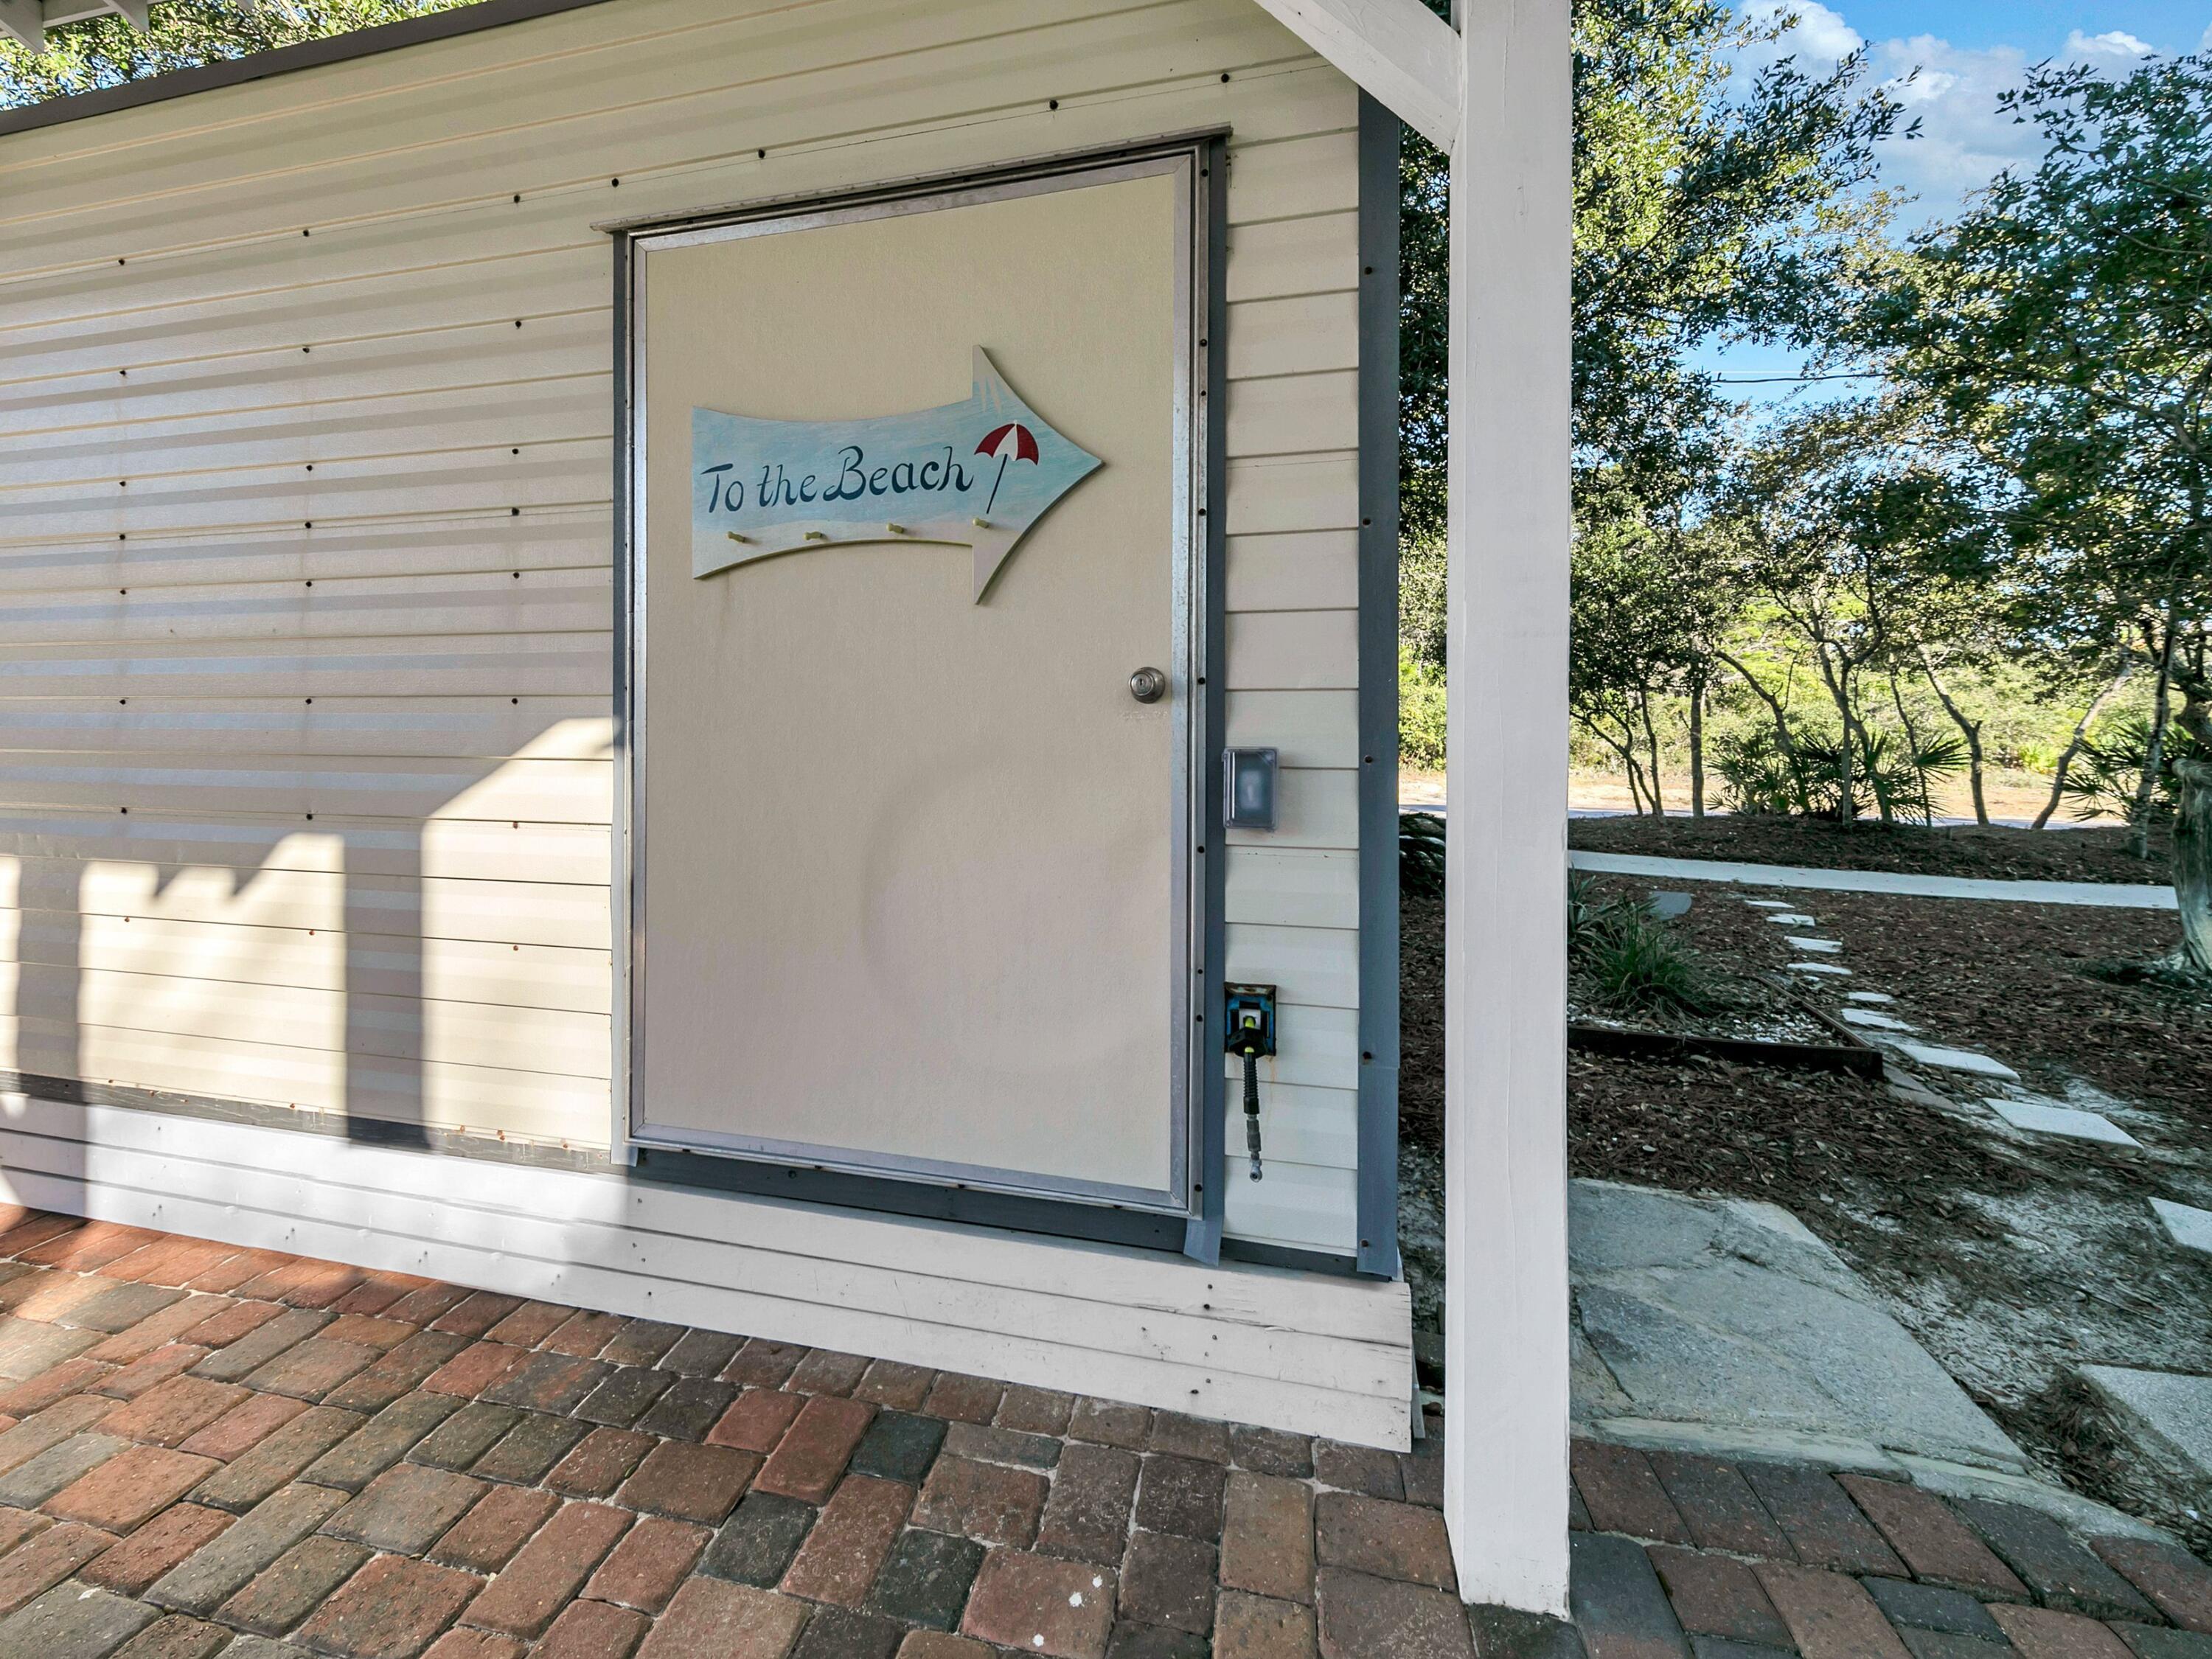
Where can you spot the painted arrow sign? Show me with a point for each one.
(975, 474)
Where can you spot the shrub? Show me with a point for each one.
(1420, 713)
(1637, 966)
(1886, 767)
(1421, 611)
(1755, 776)
(1623, 957)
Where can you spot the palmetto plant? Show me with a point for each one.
(1756, 776)
(1891, 772)
(1890, 775)
(1421, 853)
(2106, 775)
(1621, 956)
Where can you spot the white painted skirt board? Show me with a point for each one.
(1286, 1349)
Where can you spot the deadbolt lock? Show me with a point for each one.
(1148, 685)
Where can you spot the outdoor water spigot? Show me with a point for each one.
(1250, 1012)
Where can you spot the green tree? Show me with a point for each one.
(1915, 499)
(2063, 327)
(1838, 518)
(105, 52)
(1626, 642)
(1948, 626)
(1655, 594)
(1709, 205)
(1653, 597)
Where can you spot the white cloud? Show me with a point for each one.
(1816, 36)
(2114, 47)
(1964, 139)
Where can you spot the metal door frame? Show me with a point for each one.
(1185, 1214)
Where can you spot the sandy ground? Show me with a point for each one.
(1420, 788)
(2012, 795)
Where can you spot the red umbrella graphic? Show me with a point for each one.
(1011, 442)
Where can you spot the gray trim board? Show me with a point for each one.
(618, 1140)
(1377, 1213)
(1202, 1241)
(889, 1195)
(688, 1170)
(1286, 1255)
(307, 54)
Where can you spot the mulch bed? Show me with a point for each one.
(1421, 1019)
(2020, 981)
(1805, 1140)
(1796, 1137)
(1995, 854)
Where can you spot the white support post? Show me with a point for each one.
(1505, 1154)
(1498, 94)
(24, 21)
(27, 20)
(1398, 51)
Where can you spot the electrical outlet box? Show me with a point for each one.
(1251, 1019)
(1247, 788)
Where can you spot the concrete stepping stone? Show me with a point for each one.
(1959, 1059)
(1793, 919)
(1769, 904)
(1729, 1324)
(1824, 946)
(2044, 1118)
(1829, 967)
(2186, 1225)
(1868, 1019)
(1668, 906)
(1869, 996)
(2172, 1410)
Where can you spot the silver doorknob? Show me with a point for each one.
(1148, 685)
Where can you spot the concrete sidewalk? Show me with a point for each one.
(2109, 895)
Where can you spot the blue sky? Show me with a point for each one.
(1967, 51)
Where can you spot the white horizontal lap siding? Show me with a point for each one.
(519, 850)
(284, 379)
(486, 478)
(666, 115)
(1292, 671)
(480, 974)
(496, 415)
(419, 552)
(305, 604)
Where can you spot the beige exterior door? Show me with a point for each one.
(910, 871)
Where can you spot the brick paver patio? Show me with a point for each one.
(206, 1450)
